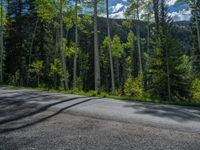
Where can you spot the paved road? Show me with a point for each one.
(42, 120)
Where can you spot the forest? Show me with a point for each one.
(74, 45)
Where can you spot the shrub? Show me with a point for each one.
(133, 86)
(196, 90)
(92, 93)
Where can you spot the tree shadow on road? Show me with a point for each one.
(176, 113)
(15, 111)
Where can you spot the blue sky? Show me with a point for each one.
(179, 12)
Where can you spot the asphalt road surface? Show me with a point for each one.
(31, 120)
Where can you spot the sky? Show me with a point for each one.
(179, 12)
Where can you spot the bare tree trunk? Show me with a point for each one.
(148, 30)
(110, 50)
(38, 81)
(55, 55)
(2, 48)
(138, 39)
(96, 51)
(198, 31)
(31, 47)
(118, 82)
(32, 40)
(168, 76)
(62, 48)
(76, 49)
(163, 12)
(155, 7)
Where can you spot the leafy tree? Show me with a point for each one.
(133, 86)
(130, 45)
(196, 90)
(134, 10)
(56, 71)
(117, 53)
(37, 69)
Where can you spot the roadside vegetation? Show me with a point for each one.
(144, 98)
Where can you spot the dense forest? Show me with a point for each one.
(75, 45)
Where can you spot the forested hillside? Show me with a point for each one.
(55, 44)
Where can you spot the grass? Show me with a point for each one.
(116, 97)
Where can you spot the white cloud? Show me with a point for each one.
(183, 15)
(117, 7)
(118, 15)
(171, 2)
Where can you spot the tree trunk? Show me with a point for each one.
(138, 39)
(198, 31)
(38, 81)
(148, 39)
(96, 51)
(31, 47)
(110, 50)
(62, 48)
(155, 8)
(117, 65)
(2, 48)
(163, 12)
(168, 76)
(76, 49)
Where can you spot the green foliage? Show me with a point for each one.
(105, 43)
(132, 58)
(92, 93)
(46, 9)
(56, 67)
(83, 22)
(69, 51)
(196, 90)
(133, 86)
(127, 24)
(104, 53)
(4, 15)
(169, 72)
(79, 84)
(131, 41)
(129, 66)
(117, 47)
(37, 67)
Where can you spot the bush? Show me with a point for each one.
(92, 93)
(196, 90)
(133, 86)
